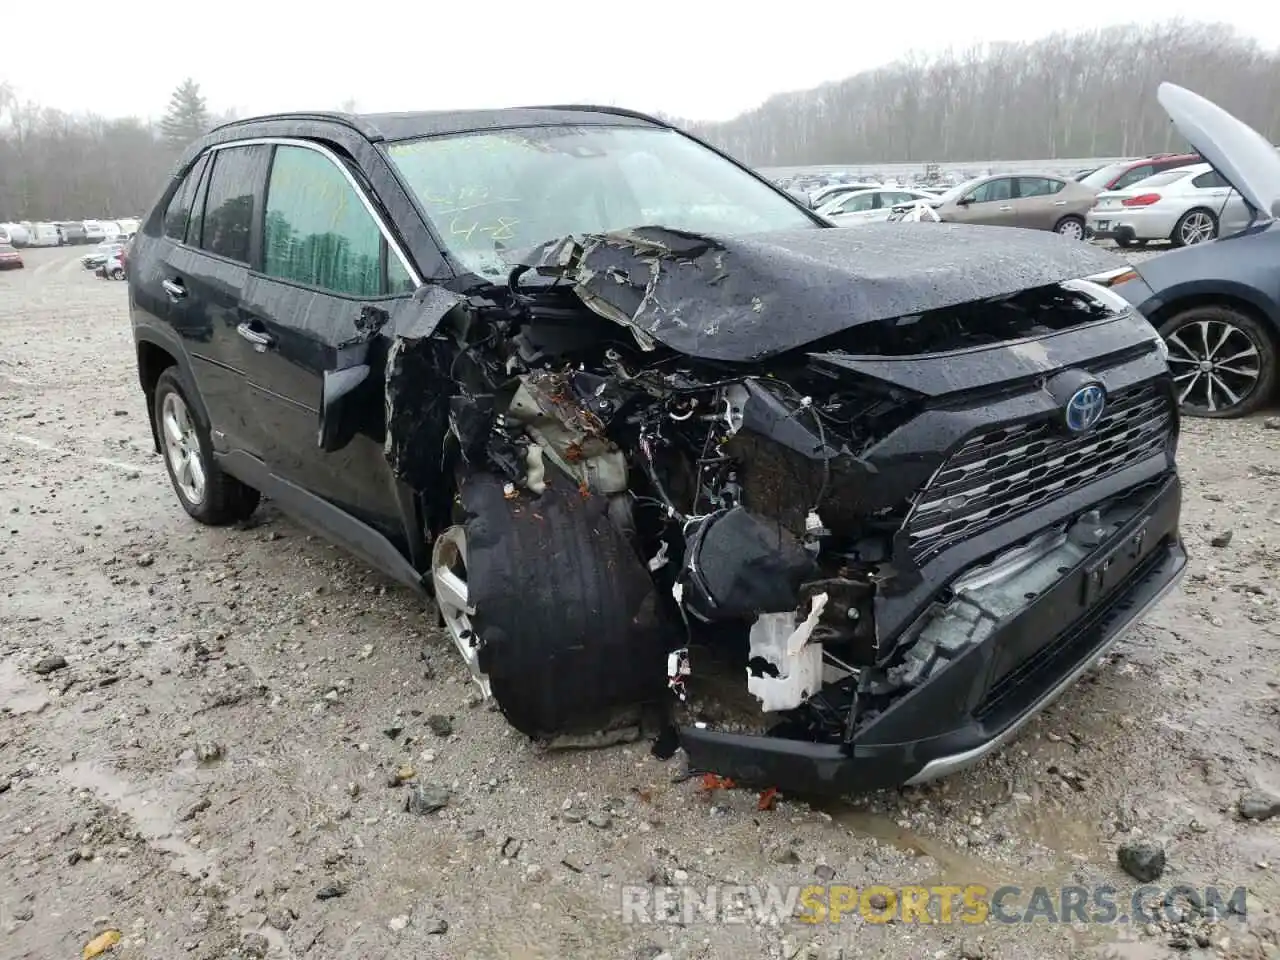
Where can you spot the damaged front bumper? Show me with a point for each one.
(1025, 628)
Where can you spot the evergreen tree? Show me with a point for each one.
(187, 117)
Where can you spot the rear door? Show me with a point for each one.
(326, 257)
(203, 278)
(1039, 205)
(1214, 193)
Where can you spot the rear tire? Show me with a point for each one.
(568, 618)
(1197, 225)
(205, 491)
(1243, 343)
(1071, 227)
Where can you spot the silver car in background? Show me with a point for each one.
(871, 206)
(1185, 206)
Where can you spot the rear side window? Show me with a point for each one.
(178, 212)
(317, 230)
(1210, 179)
(234, 188)
(1038, 186)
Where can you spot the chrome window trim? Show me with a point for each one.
(324, 151)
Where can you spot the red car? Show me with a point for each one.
(1123, 173)
(9, 257)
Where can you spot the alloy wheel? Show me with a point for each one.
(453, 598)
(182, 448)
(1216, 365)
(1198, 227)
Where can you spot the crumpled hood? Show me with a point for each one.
(741, 299)
(1248, 161)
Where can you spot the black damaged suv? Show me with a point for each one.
(615, 401)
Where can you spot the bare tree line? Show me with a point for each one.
(1080, 95)
(59, 166)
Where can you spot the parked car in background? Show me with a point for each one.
(824, 195)
(10, 258)
(112, 230)
(44, 235)
(93, 231)
(116, 264)
(1039, 202)
(1125, 173)
(870, 206)
(17, 234)
(1185, 206)
(100, 254)
(1217, 305)
(73, 232)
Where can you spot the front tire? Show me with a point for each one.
(1071, 227)
(567, 623)
(205, 491)
(1197, 225)
(1223, 361)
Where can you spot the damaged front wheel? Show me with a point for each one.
(453, 598)
(550, 595)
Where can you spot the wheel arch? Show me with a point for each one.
(1230, 297)
(156, 355)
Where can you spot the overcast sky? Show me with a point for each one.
(698, 59)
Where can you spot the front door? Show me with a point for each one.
(989, 203)
(324, 260)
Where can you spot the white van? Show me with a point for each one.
(111, 230)
(19, 236)
(44, 235)
(93, 232)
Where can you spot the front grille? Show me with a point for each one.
(999, 474)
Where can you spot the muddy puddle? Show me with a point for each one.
(18, 695)
(154, 814)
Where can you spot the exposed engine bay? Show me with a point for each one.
(744, 481)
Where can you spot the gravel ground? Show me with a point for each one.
(200, 729)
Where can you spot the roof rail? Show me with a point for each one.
(358, 124)
(596, 108)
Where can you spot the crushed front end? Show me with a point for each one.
(1017, 552)
(914, 481)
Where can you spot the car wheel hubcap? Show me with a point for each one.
(453, 598)
(1215, 364)
(1197, 228)
(182, 448)
(1071, 229)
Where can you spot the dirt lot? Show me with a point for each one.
(208, 773)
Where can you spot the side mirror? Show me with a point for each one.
(964, 201)
(337, 424)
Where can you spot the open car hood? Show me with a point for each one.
(1242, 155)
(743, 299)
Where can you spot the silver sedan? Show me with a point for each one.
(1185, 206)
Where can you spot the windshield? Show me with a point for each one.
(510, 190)
(1104, 175)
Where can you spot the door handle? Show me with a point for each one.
(174, 289)
(259, 338)
(1005, 209)
(1059, 203)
